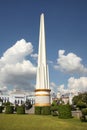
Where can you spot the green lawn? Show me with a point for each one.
(36, 122)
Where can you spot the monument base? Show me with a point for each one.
(42, 97)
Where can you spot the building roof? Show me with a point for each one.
(18, 91)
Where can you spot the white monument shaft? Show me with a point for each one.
(42, 70)
(42, 91)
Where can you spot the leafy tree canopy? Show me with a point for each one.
(80, 100)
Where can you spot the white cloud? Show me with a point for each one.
(15, 70)
(70, 63)
(62, 89)
(34, 56)
(17, 52)
(53, 87)
(74, 85)
(79, 84)
(4, 88)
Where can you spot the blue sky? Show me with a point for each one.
(66, 33)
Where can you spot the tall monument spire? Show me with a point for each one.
(42, 46)
(42, 91)
(42, 70)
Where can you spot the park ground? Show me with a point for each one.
(39, 122)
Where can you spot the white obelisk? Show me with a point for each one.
(42, 91)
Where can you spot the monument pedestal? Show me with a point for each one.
(42, 97)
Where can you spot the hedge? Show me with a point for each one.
(45, 110)
(20, 110)
(64, 111)
(54, 108)
(84, 111)
(0, 109)
(9, 110)
(38, 110)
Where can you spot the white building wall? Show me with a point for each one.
(18, 98)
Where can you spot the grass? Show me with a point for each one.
(37, 122)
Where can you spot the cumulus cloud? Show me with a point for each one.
(3, 89)
(53, 87)
(62, 89)
(70, 63)
(79, 84)
(17, 52)
(34, 56)
(74, 85)
(15, 69)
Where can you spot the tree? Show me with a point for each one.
(81, 104)
(80, 100)
(7, 104)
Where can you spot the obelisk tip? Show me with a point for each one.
(42, 14)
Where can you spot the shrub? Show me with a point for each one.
(54, 103)
(0, 109)
(81, 105)
(7, 104)
(64, 111)
(84, 111)
(45, 110)
(38, 110)
(9, 109)
(83, 118)
(20, 110)
(54, 110)
(54, 113)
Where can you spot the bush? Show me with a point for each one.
(7, 104)
(38, 110)
(20, 110)
(83, 118)
(54, 103)
(64, 111)
(84, 111)
(42, 110)
(54, 110)
(54, 113)
(0, 109)
(9, 109)
(81, 105)
(45, 110)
